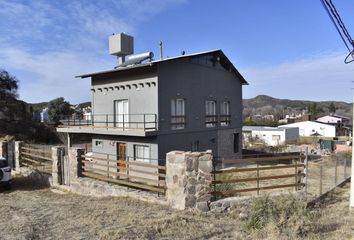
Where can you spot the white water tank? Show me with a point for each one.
(121, 44)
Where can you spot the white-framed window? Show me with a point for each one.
(210, 113)
(141, 153)
(178, 118)
(99, 143)
(225, 116)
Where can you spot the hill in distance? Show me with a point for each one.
(264, 105)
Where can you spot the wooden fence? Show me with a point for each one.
(257, 173)
(126, 172)
(37, 158)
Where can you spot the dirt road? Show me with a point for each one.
(29, 213)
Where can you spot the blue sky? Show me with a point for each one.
(285, 49)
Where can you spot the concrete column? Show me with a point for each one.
(57, 154)
(18, 146)
(75, 164)
(188, 179)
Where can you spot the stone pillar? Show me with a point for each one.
(18, 146)
(188, 179)
(57, 154)
(75, 164)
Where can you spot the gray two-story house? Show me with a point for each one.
(190, 102)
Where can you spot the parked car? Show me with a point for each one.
(5, 174)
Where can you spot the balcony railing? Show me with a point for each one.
(212, 120)
(124, 122)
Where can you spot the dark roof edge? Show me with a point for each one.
(243, 80)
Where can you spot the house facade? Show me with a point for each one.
(271, 136)
(142, 111)
(311, 128)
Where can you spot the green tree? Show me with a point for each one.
(332, 108)
(58, 109)
(314, 110)
(8, 86)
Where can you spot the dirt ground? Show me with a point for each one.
(29, 213)
(40, 213)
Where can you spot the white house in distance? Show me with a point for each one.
(310, 128)
(272, 136)
(334, 119)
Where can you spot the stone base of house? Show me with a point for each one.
(97, 188)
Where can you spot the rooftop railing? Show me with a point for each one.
(124, 122)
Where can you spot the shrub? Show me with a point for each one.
(286, 214)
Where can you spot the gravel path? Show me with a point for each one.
(35, 213)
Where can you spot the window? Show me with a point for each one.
(141, 153)
(98, 143)
(275, 137)
(195, 146)
(210, 114)
(236, 142)
(225, 117)
(121, 116)
(178, 118)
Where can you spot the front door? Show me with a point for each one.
(121, 156)
(121, 113)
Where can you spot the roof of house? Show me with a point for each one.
(150, 64)
(306, 122)
(334, 116)
(264, 128)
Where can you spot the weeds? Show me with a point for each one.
(281, 215)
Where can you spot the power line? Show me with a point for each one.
(340, 27)
(334, 23)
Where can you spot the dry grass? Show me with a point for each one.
(33, 212)
(38, 213)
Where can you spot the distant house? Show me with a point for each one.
(272, 136)
(335, 119)
(311, 128)
(44, 115)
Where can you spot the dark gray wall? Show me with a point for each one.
(196, 84)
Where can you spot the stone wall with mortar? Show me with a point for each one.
(188, 179)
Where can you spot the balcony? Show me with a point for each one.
(213, 120)
(111, 124)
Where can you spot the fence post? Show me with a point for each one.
(335, 170)
(257, 179)
(57, 174)
(345, 168)
(295, 163)
(18, 147)
(306, 172)
(321, 175)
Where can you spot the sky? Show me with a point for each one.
(285, 49)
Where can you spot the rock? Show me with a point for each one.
(202, 206)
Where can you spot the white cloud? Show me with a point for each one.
(46, 43)
(320, 77)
